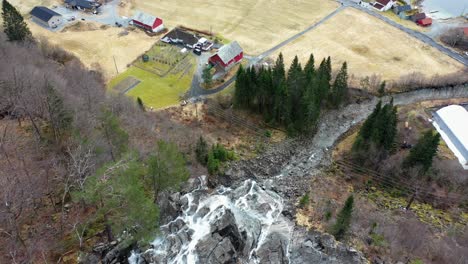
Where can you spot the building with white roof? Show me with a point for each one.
(452, 124)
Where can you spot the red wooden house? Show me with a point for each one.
(227, 55)
(425, 22)
(148, 22)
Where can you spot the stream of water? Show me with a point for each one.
(254, 211)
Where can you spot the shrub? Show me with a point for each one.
(201, 151)
(343, 220)
(304, 200)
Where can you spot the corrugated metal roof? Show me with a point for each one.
(144, 18)
(228, 52)
(43, 13)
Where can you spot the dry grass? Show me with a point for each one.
(256, 25)
(370, 46)
(95, 47)
(25, 6)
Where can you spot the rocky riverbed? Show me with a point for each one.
(252, 220)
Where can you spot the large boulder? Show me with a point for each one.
(224, 243)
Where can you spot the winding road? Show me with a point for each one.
(197, 91)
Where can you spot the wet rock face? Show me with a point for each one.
(224, 242)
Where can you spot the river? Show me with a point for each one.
(445, 8)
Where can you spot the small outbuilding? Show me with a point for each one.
(46, 17)
(425, 22)
(148, 22)
(227, 56)
(452, 124)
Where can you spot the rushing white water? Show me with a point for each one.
(256, 211)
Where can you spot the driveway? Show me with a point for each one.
(108, 15)
(196, 90)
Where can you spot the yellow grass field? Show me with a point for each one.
(370, 46)
(256, 24)
(96, 46)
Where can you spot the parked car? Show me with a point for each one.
(197, 51)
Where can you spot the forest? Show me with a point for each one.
(293, 98)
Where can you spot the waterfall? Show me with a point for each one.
(248, 216)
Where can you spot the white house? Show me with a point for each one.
(452, 124)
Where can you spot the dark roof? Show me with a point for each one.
(378, 6)
(383, 2)
(186, 37)
(403, 8)
(418, 16)
(43, 13)
(83, 3)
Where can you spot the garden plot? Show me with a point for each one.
(162, 58)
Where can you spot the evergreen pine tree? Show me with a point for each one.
(328, 68)
(116, 137)
(119, 196)
(309, 69)
(140, 104)
(240, 88)
(343, 219)
(381, 91)
(201, 151)
(339, 91)
(423, 153)
(166, 168)
(207, 76)
(13, 23)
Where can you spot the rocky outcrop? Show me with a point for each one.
(224, 243)
(316, 247)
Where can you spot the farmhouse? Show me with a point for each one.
(227, 56)
(179, 36)
(46, 17)
(148, 22)
(85, 5)
(383, 5)
(452, 124)
(425, 22)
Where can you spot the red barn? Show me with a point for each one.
(148, 22)
(227, 55)
(425, 22)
